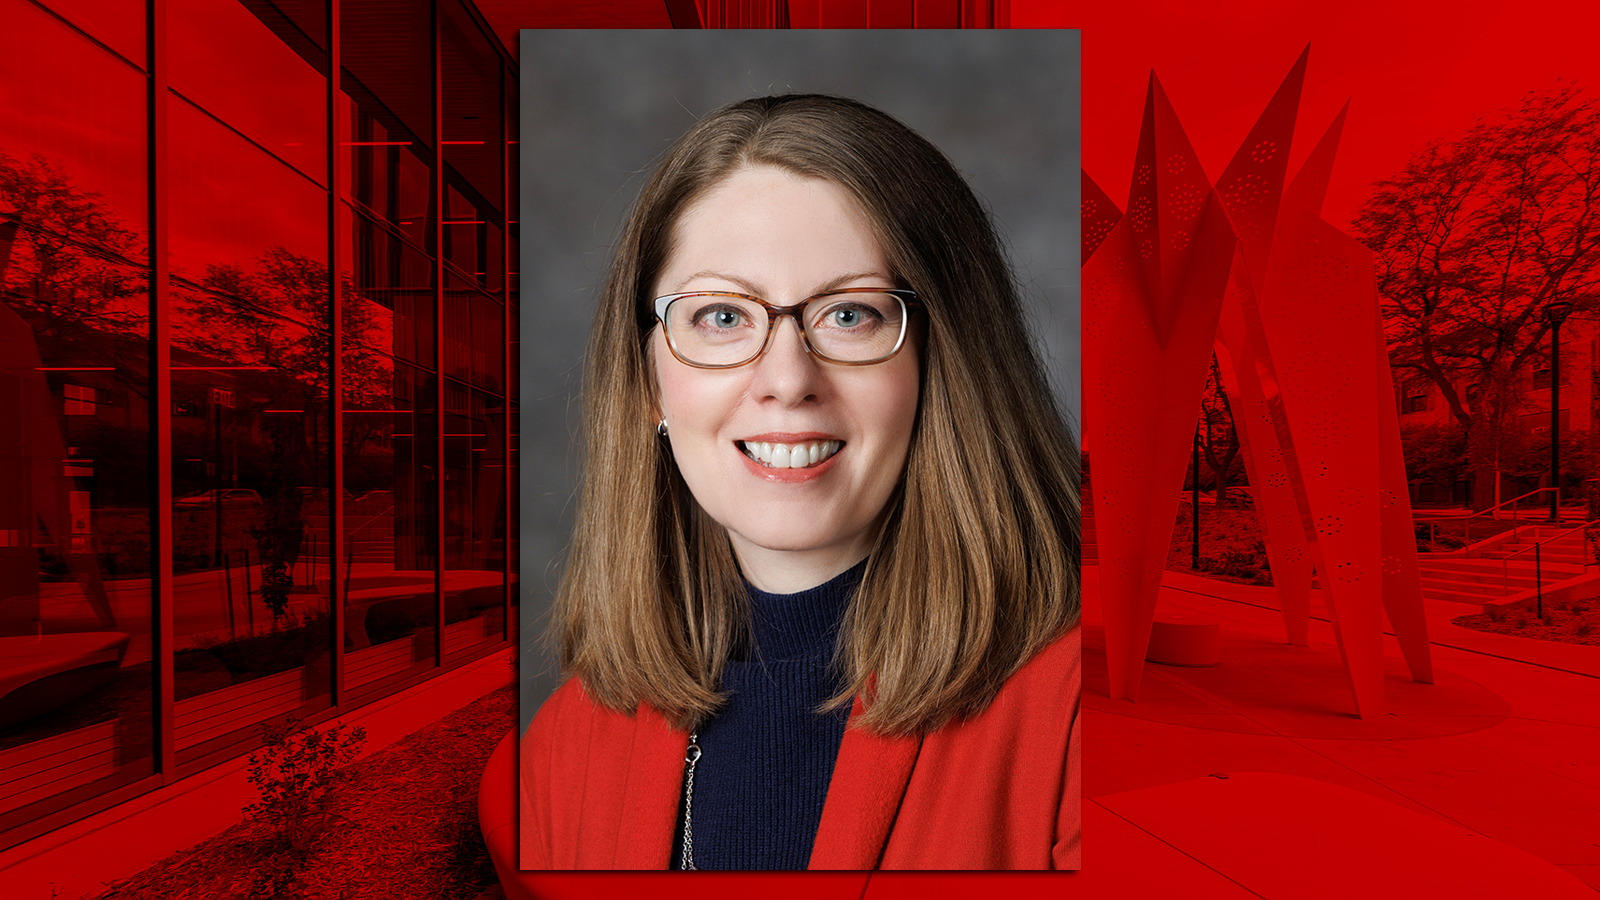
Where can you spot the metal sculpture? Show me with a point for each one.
(1248, 270)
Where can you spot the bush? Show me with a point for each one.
(1583, 628)
(1496, 613)
(298, 773)
(1235, 563)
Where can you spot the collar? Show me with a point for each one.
(802, 625)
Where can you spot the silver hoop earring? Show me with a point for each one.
(661, 430)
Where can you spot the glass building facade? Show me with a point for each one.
(257, 405)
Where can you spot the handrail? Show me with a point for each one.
(1467, 532)
(1556, 537)
(350, 550)
(1528, 494)
(351, 531)
(1538, 565)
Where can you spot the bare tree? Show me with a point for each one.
(1473, 239)
(1219, 439)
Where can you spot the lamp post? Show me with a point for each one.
(1555, 312)
(1194, 557)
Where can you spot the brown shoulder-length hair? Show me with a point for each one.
(976, 566)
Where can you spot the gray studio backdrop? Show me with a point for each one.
(600, 107)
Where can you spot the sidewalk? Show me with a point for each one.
(1504, 744)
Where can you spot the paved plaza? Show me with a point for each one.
(1255, 778)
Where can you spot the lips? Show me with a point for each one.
(790, 455)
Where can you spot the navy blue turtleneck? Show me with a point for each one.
(767, 756)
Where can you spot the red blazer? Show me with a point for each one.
(601, 790)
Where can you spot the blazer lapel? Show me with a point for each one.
(869, 780)
(653, 789)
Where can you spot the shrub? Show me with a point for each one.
(298, 773)
(1522, 620)
(1234, 563)
(1583, 628)
(1496, 613)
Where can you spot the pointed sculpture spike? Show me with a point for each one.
(1310, 186)
(1099, 216)
(1166, 205)
(1144, 235)
(1251, 187)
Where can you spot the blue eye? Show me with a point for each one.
(722, 317)
(847, 318)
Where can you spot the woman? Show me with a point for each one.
(820, 604)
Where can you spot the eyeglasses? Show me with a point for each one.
(720, 330)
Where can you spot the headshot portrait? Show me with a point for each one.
(799, 502)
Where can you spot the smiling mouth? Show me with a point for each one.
(802, 455)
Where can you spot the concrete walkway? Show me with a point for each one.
(81, 859)
(1505, 744)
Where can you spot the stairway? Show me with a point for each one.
(372, 542)
(1479, 580)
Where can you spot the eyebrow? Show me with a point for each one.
(750, 288)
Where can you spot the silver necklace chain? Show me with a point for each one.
(692, 756)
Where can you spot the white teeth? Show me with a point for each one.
(790, 456)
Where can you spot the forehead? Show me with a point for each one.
(774, 228)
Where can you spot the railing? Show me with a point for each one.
(1538, 564)
(1514, 503)
(350, 547)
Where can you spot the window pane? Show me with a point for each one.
(74, 527)
(513, 511)
(390, 518)
(119, 24)
(388, 164)
(309, 20)
(72, 119)
(474, 173)
(474, 344)
(514, 348)
(236, 68)
(473, 244)
(250, 498)
(513, 218)
(474, 497)
(388, 48)
(251, 464)
(231, 203)
(75, 649)
(389, 299)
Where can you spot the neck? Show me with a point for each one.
(790, 572)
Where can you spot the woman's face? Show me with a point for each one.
(784, 238)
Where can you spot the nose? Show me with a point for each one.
(787, 372)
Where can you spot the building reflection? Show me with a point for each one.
(263, 457)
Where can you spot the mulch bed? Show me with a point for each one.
(1572, 623)
(1231, 546)
(404, 826)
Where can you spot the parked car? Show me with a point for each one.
(230, 498)
(371, 503)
